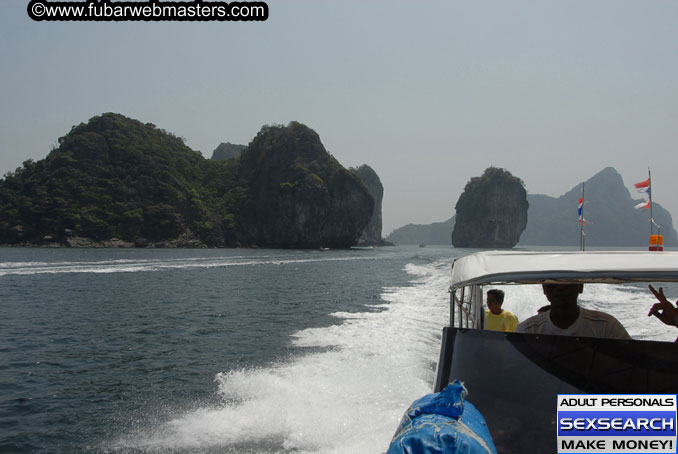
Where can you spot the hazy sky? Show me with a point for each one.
(428, 94)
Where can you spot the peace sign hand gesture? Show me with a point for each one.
(663, 310)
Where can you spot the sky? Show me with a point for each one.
(428, 94)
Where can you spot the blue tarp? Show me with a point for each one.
(443, 423)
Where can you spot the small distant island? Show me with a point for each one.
(227, 150)
(423, 234)
(117, 182)
(491, 212)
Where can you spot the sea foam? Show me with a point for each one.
(346, 398)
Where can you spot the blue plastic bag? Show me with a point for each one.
(443, 423)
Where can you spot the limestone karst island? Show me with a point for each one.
(115, 181)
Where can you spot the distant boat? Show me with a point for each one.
(422, 245)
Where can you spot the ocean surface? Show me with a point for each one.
(232, 351)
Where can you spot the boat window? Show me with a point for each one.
(467, 306)
(513, 379)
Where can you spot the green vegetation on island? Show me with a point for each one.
(115, 178)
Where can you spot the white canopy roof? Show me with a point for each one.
(521, 267)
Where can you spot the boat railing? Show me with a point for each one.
(466, 307)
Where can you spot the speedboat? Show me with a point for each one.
(513, 379)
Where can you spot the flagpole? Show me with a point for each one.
(646, 186)
(649, 195)
(582, 241)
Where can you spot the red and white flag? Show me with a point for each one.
(644, 204)
(643, 184)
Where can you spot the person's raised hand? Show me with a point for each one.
(663, 310)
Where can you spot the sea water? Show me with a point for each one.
(242, 351)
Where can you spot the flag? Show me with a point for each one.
(643, 184)
(581, 210)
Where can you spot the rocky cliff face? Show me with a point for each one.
(300, 195)
(372, 234)
(491, 212)
(117, 182)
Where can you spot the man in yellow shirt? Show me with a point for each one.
(496, 318)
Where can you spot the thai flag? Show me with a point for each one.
(581, 210)
(643, 186)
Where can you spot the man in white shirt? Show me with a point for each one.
(566, 318)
